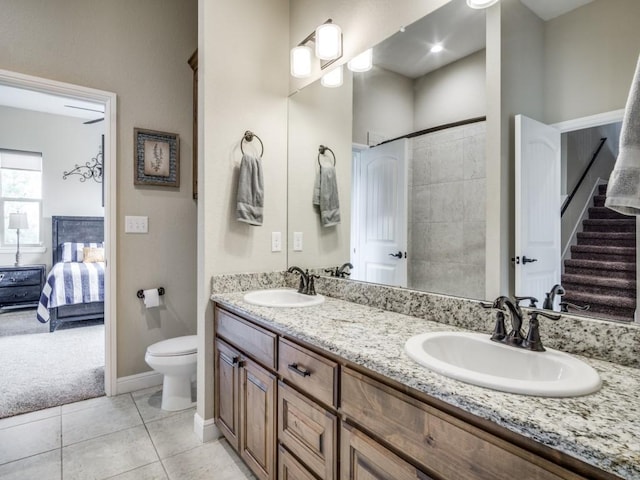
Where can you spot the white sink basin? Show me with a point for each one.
(475, 359)
(282, 297)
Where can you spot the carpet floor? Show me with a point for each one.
(40, 369)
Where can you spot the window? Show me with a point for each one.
(21, 191)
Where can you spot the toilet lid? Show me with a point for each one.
(174, 346)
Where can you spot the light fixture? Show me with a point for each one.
(18, 221)
(477, 4)
(301, 61)
(327, 39)
(437, 48)
(333, 78)
(362, 62)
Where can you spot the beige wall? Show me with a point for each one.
(243, 50)
(590, 56)
(138, 50)
(383, 104)
(451, 93)
(319, 116)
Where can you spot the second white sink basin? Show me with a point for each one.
(475, 359)
(282, 297)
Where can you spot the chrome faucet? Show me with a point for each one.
(307, 280)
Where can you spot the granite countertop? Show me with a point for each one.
(601, 429)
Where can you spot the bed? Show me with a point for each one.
(74, 289)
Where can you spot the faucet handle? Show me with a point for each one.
(532, 301)
(564, 307)
(533, 341)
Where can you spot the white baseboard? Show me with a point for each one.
(206, 430)
(139, 381)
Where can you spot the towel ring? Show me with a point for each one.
(322, 150)
(248, 137)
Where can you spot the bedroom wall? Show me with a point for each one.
(63, 142)
(139, 50)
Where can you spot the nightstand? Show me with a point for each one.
(20, 287)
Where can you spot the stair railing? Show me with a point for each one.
(567, 201)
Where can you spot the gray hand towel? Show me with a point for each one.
(623, 191)
(250, 197)
(325, 196)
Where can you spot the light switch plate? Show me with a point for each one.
(276, 241)
(297, 241)
(136, 224)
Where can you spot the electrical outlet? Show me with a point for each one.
(136, 224)
(297, 241)
(276, 241)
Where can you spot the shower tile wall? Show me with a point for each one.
(447, 211)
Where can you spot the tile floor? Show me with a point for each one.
(127, 437)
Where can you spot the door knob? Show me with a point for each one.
(528, 260)
(397, 255)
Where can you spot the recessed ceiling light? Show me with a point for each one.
(437, 48)
(481, 3)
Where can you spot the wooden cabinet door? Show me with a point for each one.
(364, 459)
(227, 388)
(289, 468)
(257, 419)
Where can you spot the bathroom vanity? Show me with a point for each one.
(327, 392)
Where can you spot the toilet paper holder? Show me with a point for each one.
(140, 293)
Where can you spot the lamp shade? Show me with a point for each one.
(362, 62)
(328, 41)
(333, 78)
(18, 221)
(301, 61)
(481, 3)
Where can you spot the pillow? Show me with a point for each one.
(74, 251)
(93, 254)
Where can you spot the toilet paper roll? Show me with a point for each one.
(151, 298)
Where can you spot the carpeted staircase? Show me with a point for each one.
(601, 272)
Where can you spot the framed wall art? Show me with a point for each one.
(156, 158)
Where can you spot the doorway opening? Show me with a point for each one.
(44, 111)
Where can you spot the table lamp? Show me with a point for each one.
(18, 221)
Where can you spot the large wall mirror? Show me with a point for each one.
(438, 100)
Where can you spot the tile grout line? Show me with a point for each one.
(155, 449)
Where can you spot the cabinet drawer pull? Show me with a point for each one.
(235, 360)
(300, 371)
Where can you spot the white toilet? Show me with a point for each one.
(176, 359)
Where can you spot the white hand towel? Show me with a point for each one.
(250, 196)
(325, 196)
(623, 191)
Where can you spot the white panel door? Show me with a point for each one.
(537, 190)
(381, 244)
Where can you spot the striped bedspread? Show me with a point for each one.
(70, 283)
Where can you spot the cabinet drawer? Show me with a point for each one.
(446, 446)
(14, 278)
(312, 373)
(308, 430)
(28, 294)
(362, 457)
(289, 468)
(251, 339)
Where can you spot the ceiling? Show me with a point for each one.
(459, 29)
(47, 103)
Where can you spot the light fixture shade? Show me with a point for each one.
(18, 221)
(481, 3)
(328, 41)
(362, 62)
(333, 78)
(301, 61)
